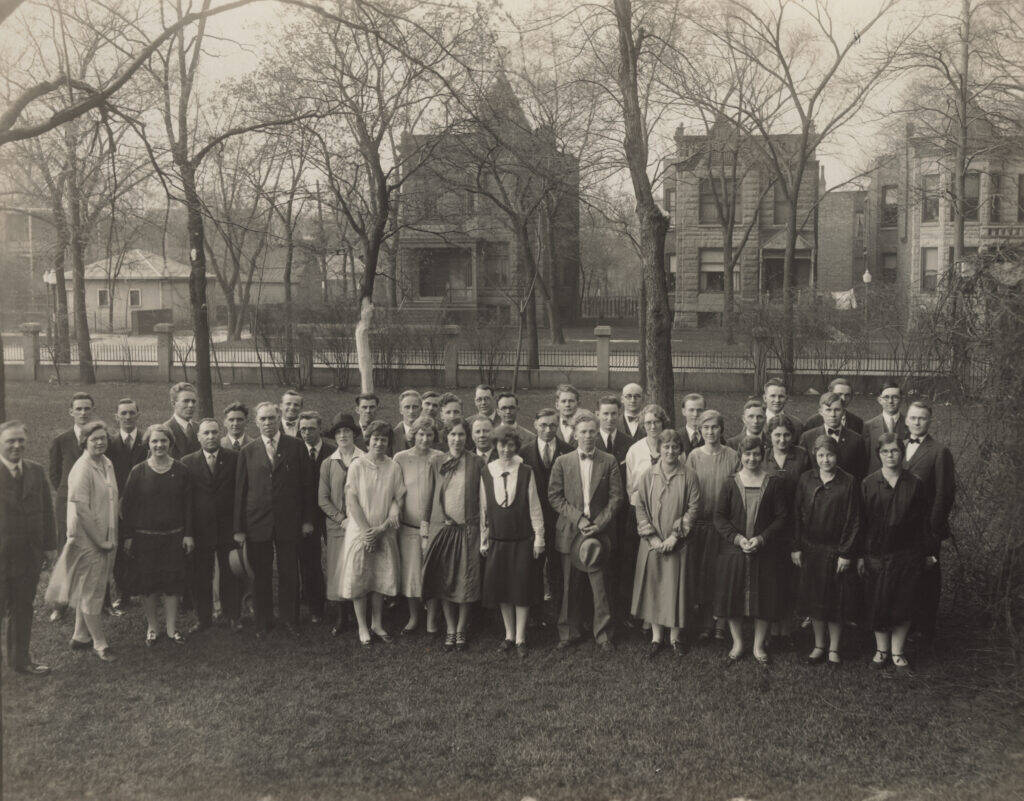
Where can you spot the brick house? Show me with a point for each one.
(693, 247)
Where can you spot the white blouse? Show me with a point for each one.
(494, 469)
(638, 462)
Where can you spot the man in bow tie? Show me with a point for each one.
(313, 587)
(184, 432)
(586, 491)
(125, 449)
(632, 424)
(852, 455)
(889, 421)
(291, 407)
(931, 462)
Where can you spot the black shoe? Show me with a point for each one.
(521, 650)
(606, 648)
(654, 648)
(79, 645)
(834, 662)
(178, 638)
(336, 630)
(33, 669)
(680, 648)
(565, 645)
(731, 660)
(505, 646)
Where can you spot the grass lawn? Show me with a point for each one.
(226, 717)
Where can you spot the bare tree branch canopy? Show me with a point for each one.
(95, 96)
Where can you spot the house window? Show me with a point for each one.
(930, 198)
(929, 269)
(712, 272)
(134, 297)
(995, 199)
(670, 205)
(888, 273)
(890, 207)
(707, 211)
(780, 206)
(673, 268)
(972, 197)
(970, 254)
(858, 225)
(103, 297)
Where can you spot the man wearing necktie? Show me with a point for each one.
(274, 491)
(540, 454)
(64, 452)
(508, 412)
(775, 397)
(754, 418)
(567, 401)
(693, 408)
(852, 453)
(28, 540)
(125, 449)
(212, 470)
(625, 542)
(632, 424)
(236, 419)
(889, 421)
(843, 389)
(184, 432)
(931, 462)
(291, 407)
(585, 490)
(312, 585)
(483, 443)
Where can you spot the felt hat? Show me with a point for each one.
(588, 553)
(343, 420)
(238, 559)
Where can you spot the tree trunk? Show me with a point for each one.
(548, 279)
(532, 340)
(289, 327)
(729, 300)
(3, 383)
(642, 323)
(62, 332)
(197, 290)
(364, 356)
(86, 370)
(652, 221)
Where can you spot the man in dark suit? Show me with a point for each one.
(184, 433)
(367, 406)
(508, 413)
(931, 462)
(693, 407)
(313, 587)
(844, 389)
(853, 457)
(125, 449)
(889, 421)
(64, 452)
(754, 418)
(28, 539)
(409, 405)
(236, 419)
(775, 397)
(567, 401)
(483, 399)
(585, 490)
(622, 562)
(631, 423)
(291, 408)
(540, 454)
(273, 493)
(431, 404)
(213, 471)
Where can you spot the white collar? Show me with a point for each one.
(182, 422)
(495, 468)
(271, 440)
(338, 455)
(11, 465)
(126, 434)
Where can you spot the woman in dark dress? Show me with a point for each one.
(826, 536)
(451, 564)
(157, 512)
(511, 537)
(788, 461)
(751, 512)
(896, 538)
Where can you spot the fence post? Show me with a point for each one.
(165, 350)
(306, 334)
(604, 335)
(451, 356)
(30, 349)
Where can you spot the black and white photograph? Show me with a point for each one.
(529, 400)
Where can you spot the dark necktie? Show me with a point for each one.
(654, 460)
(915, 440)
(834, 432)
(585, 456)
(237, 444)
(17, 472)
(504, 486)
(545, 454)
(696, 440)
(312, 454)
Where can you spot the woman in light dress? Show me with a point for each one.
(641, 455)
(331, 497)
(667, 499)
(416, 464)
(373, 495)
(83, 572)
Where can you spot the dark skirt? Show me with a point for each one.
(704, 546)
(892, 589)
(451, 567)
(156, 564)
(747, 585)
(788, 576)
(823, 594)
(511, 574)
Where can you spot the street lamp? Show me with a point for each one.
(866, 279)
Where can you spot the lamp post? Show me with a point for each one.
(866, 280)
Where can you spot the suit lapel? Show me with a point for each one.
(921, 451)
(595, 477)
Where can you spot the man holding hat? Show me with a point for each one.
(585, 490)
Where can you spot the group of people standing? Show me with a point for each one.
(619, 518)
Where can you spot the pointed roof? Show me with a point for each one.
(137, 265)
(500, 102)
